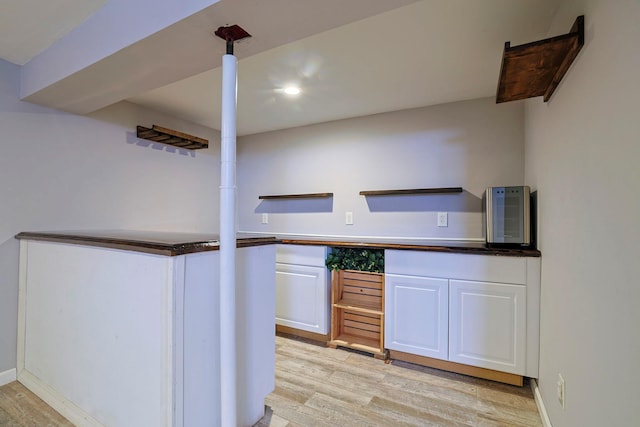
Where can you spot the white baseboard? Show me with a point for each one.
(72, 412)
(8, 376)
(546, 422)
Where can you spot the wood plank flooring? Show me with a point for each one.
(21, 408)
(319, 386)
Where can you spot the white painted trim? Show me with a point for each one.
(178, 279)
(22, 304)
(168, 343)
(57, 401)
(533, 317)
(8, 376)
(544, 416)
(391, 239)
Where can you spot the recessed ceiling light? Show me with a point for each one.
(292, 90)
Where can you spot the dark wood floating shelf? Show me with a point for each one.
(171, 137)
(536, 69)
(298, 196)
(444, 190)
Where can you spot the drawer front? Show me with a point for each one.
(301, 255)
(489, 268)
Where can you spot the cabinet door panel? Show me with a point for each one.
(302, 297)
(487, 324)
(416, 321)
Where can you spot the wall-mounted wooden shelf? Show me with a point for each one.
(171, 137)
(536, 69)
(443, 190)
(297, 196)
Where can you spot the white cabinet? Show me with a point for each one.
(476, 310)
(417, 319)
(302, 288)
(487, 325)
(113, 337)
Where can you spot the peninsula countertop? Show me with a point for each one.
(178, 243)
(152, 242)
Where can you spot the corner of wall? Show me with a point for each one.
(7, 376)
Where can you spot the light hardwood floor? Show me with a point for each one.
(21, 408)
(319, 386)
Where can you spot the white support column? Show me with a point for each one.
(228, 243)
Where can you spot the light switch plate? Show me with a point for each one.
(348, 218)
(265, 218)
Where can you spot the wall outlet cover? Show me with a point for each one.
(561, 390)
(443, 220)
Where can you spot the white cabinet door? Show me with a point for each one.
(302, 297)
(487, 325)
(416, 319)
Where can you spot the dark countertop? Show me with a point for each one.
(153, 242)
(451, 246)
(173, 243)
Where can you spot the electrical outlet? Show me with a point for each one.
(265, 218)
(443, 220)
(348, 218)
(561, 390)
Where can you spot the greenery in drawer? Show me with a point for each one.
(371, 260)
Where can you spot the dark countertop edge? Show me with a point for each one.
(166, 249)
(194, 246)
(517, 252)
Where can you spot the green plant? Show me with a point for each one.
(371, 260)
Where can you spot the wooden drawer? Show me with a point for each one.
(359, 324)
(358, 289)
(358, 329)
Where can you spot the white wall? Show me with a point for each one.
(60, 171)
(582, 153)
(470, 144)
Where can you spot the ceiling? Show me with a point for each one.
(27, 27)
(421, 53)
